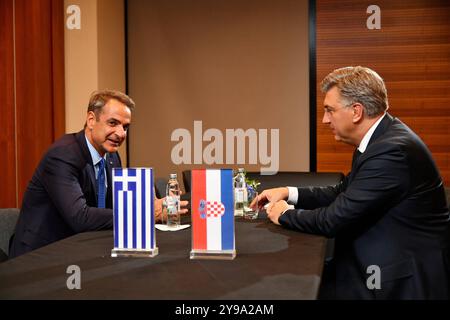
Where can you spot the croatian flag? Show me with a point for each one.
(134, 224)
(212, 210)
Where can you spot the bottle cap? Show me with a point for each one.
(173, 176)
(241, 170)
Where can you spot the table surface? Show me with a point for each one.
(271, 263)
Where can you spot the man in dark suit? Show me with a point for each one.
(389, 215)
(68, 192)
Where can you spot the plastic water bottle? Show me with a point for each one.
(173, 194)
(240, 193)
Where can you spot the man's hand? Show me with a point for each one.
(160, 213)
(270, 195)
(158, 209)
(183, 205)
(274, 210)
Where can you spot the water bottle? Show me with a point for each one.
(173, 194)
(240, 193)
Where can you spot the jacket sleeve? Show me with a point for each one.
(61, 181)
(315, 197)
(379, 182)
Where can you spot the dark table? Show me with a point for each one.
(271, 263)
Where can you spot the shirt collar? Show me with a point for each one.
(365, 140)
(94, 153)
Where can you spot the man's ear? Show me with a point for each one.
(90, 120)
(358, 112)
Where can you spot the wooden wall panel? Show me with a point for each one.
(34, 94)
(32, 88)
(39, 45)
(7, 135)
(58, 83)
(411, 52)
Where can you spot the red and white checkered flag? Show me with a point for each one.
(214, 209)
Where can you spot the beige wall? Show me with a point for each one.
(81, 63)
(111, 44)
(94, 57)
(228, 63)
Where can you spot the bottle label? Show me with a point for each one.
(172, 205)
(239, 197)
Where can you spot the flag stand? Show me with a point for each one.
(211, 254)
(134, 253)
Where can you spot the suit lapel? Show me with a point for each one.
(379, 131)
(112, 160)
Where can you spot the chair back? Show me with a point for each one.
(160, 187)
(296, 179)
(8, 221)
(447, 192)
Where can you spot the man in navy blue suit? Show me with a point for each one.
(64, 196)
(388, 214)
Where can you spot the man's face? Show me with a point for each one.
(108, 131)
(338, 116)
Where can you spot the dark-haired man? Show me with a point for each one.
(63, 196)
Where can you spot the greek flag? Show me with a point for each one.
(134, 224)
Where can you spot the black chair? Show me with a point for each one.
(284, 178)
(187, 180)
(8, 221)
(160, 190)
(160, 187)
(447, 192)
(296, 179)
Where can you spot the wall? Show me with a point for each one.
(8, 178)
(40, 100)
(94, 57)
(411, 52)
(32, 89)
(231, 64)
(81, 62)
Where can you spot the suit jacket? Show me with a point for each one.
(61, 198)
(389, 211)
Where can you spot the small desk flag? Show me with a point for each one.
(212, 214)
(133, 206)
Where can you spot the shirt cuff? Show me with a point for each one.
(290, 207)
(293, 195)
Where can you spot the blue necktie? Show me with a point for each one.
(101, 183)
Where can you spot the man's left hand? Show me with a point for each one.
(275, 210)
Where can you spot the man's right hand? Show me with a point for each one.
(270, 195)
(161, 210)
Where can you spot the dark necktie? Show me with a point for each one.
(101, 183)
(356, 156)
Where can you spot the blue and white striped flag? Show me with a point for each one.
(133, 205)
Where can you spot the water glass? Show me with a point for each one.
(250, 213)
